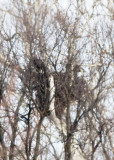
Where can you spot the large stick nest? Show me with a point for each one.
(37, 80)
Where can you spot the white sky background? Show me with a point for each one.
(3, 3)
(65, 3)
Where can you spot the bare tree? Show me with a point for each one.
(56, 81)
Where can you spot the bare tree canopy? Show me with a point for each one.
(56, 80)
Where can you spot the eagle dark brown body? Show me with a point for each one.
(43, 86)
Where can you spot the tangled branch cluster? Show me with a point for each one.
(37, 78)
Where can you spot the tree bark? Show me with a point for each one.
(36, 151)
(69, 136)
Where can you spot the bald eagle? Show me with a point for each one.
(42, 85)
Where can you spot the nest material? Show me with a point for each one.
(64, 92)
(43, 86)
(36, 79)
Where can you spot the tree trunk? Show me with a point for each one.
(36, 151)
(69, 136)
